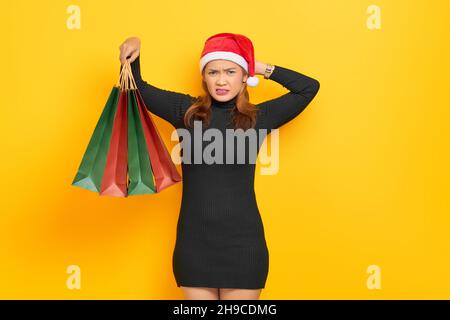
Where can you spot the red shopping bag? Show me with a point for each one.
(163, 167)
(115, 178)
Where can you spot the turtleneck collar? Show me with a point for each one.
(224, 104)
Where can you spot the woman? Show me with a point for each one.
(220, 250)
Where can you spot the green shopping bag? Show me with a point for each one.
(141, 178)
(90, 171)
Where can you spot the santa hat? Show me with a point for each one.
(232, 47)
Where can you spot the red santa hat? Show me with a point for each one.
(233, 47)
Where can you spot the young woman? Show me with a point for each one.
(220, 250)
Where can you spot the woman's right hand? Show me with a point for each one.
(129, 49)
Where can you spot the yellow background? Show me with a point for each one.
(364, 170)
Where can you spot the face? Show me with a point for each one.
(225, 75)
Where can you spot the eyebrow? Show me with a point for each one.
(224, 69)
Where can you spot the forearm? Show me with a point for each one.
(260, 67)
(302, 90)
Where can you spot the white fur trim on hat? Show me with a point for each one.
(252, 81)
(226, 55)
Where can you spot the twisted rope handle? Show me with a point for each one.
(126, 79)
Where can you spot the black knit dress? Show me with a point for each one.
(220, 235)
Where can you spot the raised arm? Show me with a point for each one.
(278, 111)
(169, 105)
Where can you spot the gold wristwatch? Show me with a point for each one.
(269, 70)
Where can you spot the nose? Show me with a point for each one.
(221, 79)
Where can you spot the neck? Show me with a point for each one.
(225, 104)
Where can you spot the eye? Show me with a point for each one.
(230, 71)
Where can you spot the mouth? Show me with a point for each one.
(222, 91)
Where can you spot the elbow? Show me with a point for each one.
(316, 85)
(312, 92)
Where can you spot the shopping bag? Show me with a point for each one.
(163, 167)
(128, 169)
(115, 179)
(126, 155)
(90, 172)
(139, 167)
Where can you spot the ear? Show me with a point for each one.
(245, 74)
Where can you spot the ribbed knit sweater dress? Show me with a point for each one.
(220, 235)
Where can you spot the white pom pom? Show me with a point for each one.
(252, 81)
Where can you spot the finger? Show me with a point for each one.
(129, 56)
(123, 57)
(125, 54)
(134, 56)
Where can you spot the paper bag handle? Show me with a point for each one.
(126, 79)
